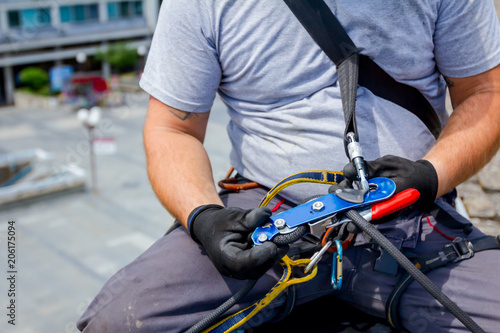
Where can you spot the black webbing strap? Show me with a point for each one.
(348, 71)
(410, 98)
(459, 249)
(444, 218)
(324, 28)
(328, 33)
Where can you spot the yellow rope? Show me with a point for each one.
(313, 176)
(302, 179)
(282, 284)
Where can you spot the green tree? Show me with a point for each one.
(34, 78)
(118, 55)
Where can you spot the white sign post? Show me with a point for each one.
(104, 146)
(90, 119)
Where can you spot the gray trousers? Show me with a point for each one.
(173, 284)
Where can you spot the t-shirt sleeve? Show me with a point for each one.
(182, 68)
(467, 37)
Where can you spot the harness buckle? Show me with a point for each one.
(463, 249)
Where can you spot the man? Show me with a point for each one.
(286, 114)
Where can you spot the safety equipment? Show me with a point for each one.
(234, 321)
(325, 29)
(419, 175)
(354, 68)
(459, 249)
(223, 232)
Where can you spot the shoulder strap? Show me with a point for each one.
(328, 33)
(320, 22)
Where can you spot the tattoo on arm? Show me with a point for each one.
(448, 81)
(182, 115)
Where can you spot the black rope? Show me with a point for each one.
(214, 315)
(420, 277)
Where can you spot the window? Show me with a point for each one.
(138, 7)
(29, 18)
(43, 16)
(93, 12)
(14, 18)
(124, 9)
(79, 13)
(65, 13)
(113, 10)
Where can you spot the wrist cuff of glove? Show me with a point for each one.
(194, 214)
(432, 181)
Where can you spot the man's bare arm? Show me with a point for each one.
(471, 136)
(178, 166)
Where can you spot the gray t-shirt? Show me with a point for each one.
(281, 90)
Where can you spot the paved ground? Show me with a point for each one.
(68, 246)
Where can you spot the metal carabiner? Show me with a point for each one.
(337, 267)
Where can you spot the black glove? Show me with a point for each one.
(419, 175)
(224, 233)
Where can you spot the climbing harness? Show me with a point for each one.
(335, 216)
(234, 184)
(301, 220)
(459, 249)
(326, 218)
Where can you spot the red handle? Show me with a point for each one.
(397, 202)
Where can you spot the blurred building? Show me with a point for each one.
(52, 32)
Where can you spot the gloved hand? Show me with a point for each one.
(419, 175)
(224, 232)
